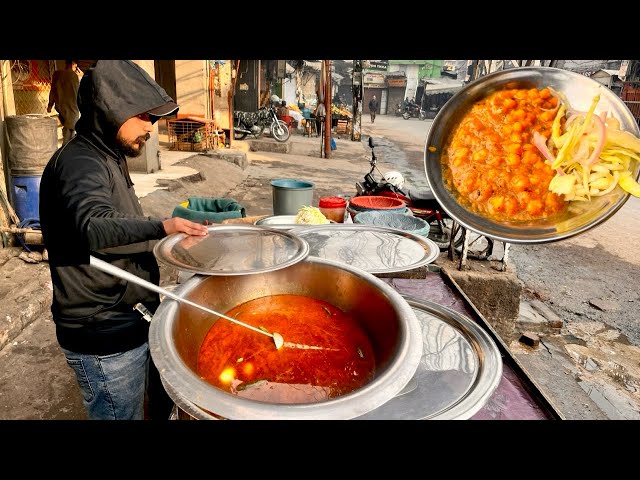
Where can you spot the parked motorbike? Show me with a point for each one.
(422, 204)
(412, 111)
(399, 110)
(254, 124)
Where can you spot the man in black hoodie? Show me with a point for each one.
(88, 207)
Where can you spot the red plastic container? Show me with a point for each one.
(368, 203)
(376, 202)
(333, 208)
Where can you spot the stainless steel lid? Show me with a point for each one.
(232, 250)
(282, 221)
(288, 221)
(372, 248)
(460, 369)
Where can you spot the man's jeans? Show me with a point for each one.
(112, 386)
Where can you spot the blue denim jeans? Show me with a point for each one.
(113, 386)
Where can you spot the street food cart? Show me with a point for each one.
(456, 367)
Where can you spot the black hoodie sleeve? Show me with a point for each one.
(86, 186)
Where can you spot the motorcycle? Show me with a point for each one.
(399, 110)
(421, 204)
(254, 124)
(411, 111)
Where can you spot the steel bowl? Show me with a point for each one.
(177, 332)
(580, 216)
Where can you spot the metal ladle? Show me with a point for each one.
(118, 272)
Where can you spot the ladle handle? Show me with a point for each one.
(123, 274)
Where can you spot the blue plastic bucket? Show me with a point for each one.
(290, 195)
(26, 195)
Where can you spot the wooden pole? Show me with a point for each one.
(13, 216)
(327, 106)
(19, 230)
(231, 95)
(356, 86)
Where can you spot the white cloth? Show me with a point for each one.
(297, 117)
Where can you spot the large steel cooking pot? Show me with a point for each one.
(177, 332)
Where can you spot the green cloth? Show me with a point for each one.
(211, 210)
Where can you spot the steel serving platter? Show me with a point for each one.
(460, 369)
(580, 91)
(372, 248)
(232, 250)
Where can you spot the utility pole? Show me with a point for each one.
(356, 87)
(327, 107)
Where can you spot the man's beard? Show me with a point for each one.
(129, 148)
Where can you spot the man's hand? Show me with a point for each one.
(178, 224)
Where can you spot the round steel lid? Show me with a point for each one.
(460, 369)
(288, 221)
(232, 250)
(282, 221)
(372, 248)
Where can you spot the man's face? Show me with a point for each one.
(133, 134)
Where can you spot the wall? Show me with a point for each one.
(289, 90)
(309, 82)
(589, 65)
(4, 221)
(221, 94)
(412, 80)
(191, 85)
(149, 160)
(411, 72)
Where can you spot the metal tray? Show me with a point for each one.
(232, 250)
(460, 369)
(372, 248)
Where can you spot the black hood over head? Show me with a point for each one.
(110, 93)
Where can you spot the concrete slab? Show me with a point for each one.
(145, 183)
(495, 294)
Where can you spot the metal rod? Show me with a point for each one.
(118, 272)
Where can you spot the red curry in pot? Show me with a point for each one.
(326, 353)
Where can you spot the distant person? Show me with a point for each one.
(373, 107)
(320, 113)
(64, 97)
(282, 109)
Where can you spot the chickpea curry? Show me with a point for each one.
(492, 162)
(524, 154)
